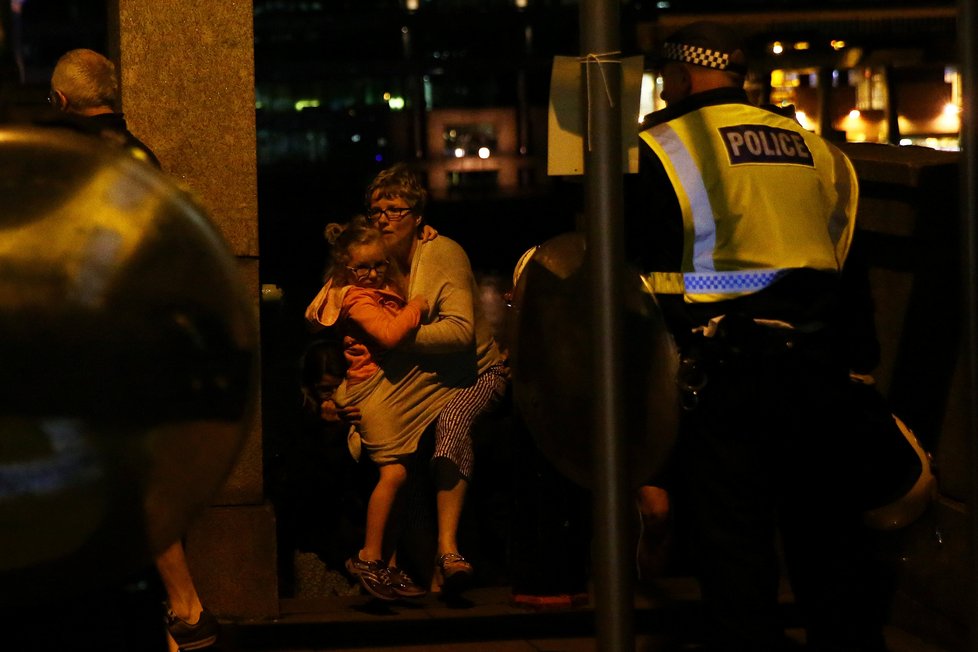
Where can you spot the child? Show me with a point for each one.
(373, 318)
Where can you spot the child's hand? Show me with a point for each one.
(428, 233)
(328, 411)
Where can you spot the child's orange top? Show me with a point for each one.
(374, 321)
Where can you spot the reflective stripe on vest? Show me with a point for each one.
(711, 283)
(696, 199)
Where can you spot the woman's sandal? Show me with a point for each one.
(456, 571)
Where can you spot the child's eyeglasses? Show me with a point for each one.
(361, 272)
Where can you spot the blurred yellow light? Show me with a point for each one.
(777, 77)
(949, 119)
(802, 45)
(804, 121)
(837, 44)
(306, 104)
(387, 97)
(777, 47)
(854, 114)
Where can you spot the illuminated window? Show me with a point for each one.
(870, 89)
(953, 77)
(465, 140)
(784, 85)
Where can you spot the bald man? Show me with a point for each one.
(85, 87)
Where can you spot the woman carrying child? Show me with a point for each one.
(450, 372)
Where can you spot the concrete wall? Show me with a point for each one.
(187, 75)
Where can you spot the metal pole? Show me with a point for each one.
(968, 48)
(601, 77)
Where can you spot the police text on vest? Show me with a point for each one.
(765, 144)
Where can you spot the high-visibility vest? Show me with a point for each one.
(759, 195)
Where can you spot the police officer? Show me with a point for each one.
(745, 220)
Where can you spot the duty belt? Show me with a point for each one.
(729, 337)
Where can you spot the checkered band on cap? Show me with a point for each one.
(696, 55)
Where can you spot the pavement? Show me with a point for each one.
(487, 619)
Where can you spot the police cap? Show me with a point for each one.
(706, 44)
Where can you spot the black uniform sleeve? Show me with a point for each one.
(653, 219)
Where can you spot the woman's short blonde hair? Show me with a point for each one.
(399, 181)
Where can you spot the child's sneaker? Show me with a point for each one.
(196, 636)
(402, 584)
(373, 577)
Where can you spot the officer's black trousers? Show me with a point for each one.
(763, 456)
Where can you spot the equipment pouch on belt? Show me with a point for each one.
(724, 340)
(698, 360)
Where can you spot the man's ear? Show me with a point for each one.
(58, 100)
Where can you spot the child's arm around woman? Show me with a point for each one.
(383, 315)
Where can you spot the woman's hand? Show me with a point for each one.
(350, 415)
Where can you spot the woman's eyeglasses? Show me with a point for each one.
(362, 272)
(392, 213)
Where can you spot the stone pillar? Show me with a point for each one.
(188, 91)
